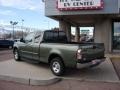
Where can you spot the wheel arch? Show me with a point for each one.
(54, 55)
(14, 49)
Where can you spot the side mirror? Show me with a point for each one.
(22, 40)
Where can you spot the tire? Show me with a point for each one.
(57, 66)
(16, 55)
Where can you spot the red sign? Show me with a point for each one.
(65, 5)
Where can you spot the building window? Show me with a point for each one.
(116, 36)
(86, 34)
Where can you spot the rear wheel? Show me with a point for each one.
(57, 66)
(16, 55)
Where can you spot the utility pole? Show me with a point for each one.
(13, 24)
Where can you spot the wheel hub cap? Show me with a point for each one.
(56, 67)
(16, 55)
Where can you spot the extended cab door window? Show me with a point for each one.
(38, 37)
(36, 45)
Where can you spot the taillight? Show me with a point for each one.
(79, 55)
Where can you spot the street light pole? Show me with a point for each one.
(22, 28)
(13, 24)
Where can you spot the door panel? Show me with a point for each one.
(36, 50)
(36, 45)
(22, 49)
(44, 52)
(26, 49)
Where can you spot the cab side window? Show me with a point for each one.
(29, 38)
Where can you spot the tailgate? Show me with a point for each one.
(92, 51)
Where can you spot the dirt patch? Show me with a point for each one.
(116, 64)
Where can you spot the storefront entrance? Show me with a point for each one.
(116, 36)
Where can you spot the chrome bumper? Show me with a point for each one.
(93, 63)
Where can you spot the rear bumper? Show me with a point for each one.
(93, 63)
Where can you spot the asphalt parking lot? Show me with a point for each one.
(67, 83)
(5, 54)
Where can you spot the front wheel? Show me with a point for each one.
(16, 55)
(57, 66)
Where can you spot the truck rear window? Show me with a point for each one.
(55, 36)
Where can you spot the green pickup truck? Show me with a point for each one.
(52, 47)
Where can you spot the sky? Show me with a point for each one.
(31, 11)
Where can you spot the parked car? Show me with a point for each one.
(6, 43)
(53, 48)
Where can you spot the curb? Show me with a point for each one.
(44, 82)
(14, 79)
(30, 81)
